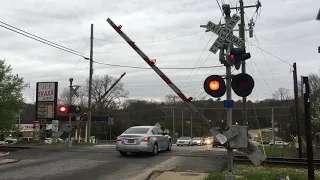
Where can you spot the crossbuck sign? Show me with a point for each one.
(225, 33)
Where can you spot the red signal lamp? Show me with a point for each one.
(154, 61)
(215, 86)
(190, 98)
(120, 26)
(63, 109)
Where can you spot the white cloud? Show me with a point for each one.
(286, 29)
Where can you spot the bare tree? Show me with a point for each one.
(314, 82)
(282, 94)
(170, 99)
(100, 84)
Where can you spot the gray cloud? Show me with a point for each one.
(285, 29)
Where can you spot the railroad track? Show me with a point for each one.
(281, 161)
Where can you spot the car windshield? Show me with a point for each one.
(184, 138)
(136, 131)
(196, 138)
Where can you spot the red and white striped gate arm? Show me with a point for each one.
(213, 131)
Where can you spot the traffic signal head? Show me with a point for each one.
(63, 109)
(215, 86)
(242, 84)
(236, 55)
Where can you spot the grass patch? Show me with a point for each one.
(247, 172)
(274, 151)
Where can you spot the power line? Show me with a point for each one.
(270, 53)
(198, 59)
(137, 67)
(167, 39)
(74, 69)
(72, 52)
(36, 36)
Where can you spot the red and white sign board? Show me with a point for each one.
(46, 91)
(26, 127)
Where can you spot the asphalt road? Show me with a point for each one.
(105, 163)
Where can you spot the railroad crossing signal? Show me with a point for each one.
(224, 33)
(236, 55)
(242, 84)
(215, 86)
(64, 109)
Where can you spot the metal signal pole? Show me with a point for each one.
(70, 103)
(90, 85)
(230, 174)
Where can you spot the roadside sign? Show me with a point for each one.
(318, 16)
(228, 103)
(224, 33)
(110, 121)
(74, 91)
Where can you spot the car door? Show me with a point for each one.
(158, 136)
(164, 139)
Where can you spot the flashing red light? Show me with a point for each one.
(84, 113)
(190, 98)
(63, 109)
(120, 26)
(214, 85)
(153, 61)
(123, 74)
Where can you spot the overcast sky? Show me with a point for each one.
(166, 30)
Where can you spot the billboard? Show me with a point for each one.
(46, 101)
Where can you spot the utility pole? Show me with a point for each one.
(70, 115)
(90, 85)
(242, 36)
(272, 117)
(308, 128)
(296, 101)
(182, 121)
(243, 64)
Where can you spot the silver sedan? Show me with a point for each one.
(143, 139)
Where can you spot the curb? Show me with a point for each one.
(4, 154)
(104, 145)
(8, 161)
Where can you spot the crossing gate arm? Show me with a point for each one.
(213, 131)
